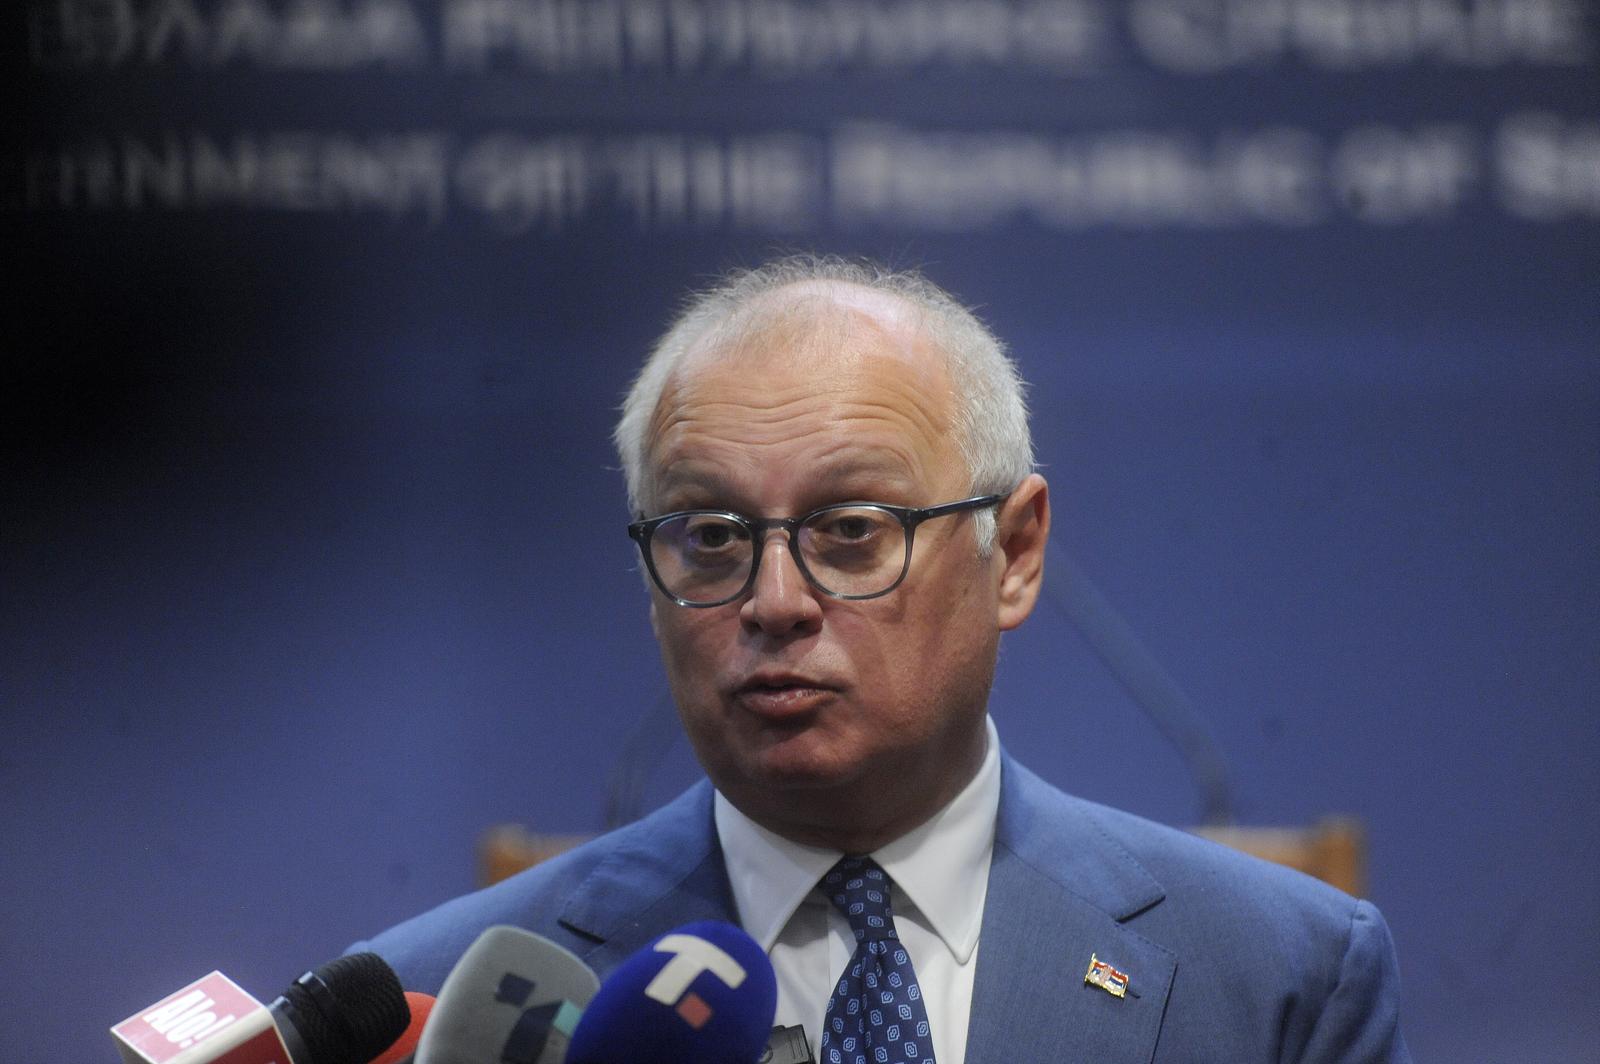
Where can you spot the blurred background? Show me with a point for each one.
(313, 551)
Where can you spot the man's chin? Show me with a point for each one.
(787, 771)
(805, 761)
(816, 801)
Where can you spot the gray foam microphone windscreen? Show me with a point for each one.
(513, 998)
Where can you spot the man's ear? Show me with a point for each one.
(1022, 530)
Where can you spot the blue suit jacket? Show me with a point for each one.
(1230, 959)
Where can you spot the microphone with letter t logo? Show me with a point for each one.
(704, 993)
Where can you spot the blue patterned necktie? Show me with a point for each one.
(875, 1015)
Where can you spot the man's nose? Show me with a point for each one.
(781, 600)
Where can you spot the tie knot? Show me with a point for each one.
(860, 889)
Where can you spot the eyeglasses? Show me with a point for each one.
(851, 550)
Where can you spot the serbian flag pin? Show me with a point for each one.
(1105, 977)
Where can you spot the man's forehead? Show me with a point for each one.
(831, 345)
(822, 356)
(849, 405)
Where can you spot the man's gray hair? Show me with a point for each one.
(991, 415)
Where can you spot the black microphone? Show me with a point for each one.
(345, 1012)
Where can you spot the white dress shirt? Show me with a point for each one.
(941, 876)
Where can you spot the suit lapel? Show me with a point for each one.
(668, 875)
(1059, 892)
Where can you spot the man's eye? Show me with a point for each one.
(850, 527)
(711, 535)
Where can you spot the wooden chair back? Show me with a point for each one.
(1333, 850)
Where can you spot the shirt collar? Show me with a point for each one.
(941, 867)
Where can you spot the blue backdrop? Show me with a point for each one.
(313, 551)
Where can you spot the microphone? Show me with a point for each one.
(704, 993)
(787, 1045)
(512, 998)
(345, 1012)
(405, 1047)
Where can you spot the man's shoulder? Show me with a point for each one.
(1196, 887)
(1262, 955)
(560, 899)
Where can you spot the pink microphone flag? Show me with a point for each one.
(210, 1021)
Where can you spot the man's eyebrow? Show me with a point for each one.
(682, 489)
(864, 469)
(684, 477)
(867, 470)
(854, 478)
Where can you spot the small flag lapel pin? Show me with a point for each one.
(1105, 977)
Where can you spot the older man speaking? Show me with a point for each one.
(833, 480)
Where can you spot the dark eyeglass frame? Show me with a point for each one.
(643, 530)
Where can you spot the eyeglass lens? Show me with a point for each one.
(846, 550)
